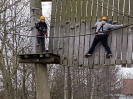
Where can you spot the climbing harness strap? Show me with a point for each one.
(101, 32)
(101, 28)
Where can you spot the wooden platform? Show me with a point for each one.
(39, 58)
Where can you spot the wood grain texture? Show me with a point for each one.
(67, 30)
(92, 22)
(72, 32)
(77, 32)
(97, 49)
(102, 49)
(125, 32)
(130, 36)
(113, 43)
(109, 16)
(52, 27)
(87, 37)
(57, 27)
(119, 35)
(62, 30)
(82, 32)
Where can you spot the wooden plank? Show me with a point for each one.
(82, 32)
(131, 13)
(115, 4)
(119, 36)
(93, 20)
(130, 35)
(129, 50)
(97, 49)
(72, 32)
(62, 29)
(77, 30)
(38, 55)
(124, 34)
(57, 27)
(109, 16)
(87, 37)
(66, 42)
(104, 10)
(52, 27)
(102, 49)
(48, 60)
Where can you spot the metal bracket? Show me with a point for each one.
(34, 8)
(114, 22)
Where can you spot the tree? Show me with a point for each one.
(15, 22)
(99, 83)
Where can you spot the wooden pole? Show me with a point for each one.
(42, 86)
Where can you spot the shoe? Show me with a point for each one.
(37, 45)
(108, 55)
(87, 55)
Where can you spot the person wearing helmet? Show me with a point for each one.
(42, 31)
(102, 25)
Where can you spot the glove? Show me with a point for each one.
(46, 35)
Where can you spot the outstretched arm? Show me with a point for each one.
(115, 26)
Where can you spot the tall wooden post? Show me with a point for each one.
(42, 86)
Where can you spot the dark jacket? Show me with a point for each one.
(41, 27)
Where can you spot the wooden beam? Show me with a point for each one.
(49, 60)
(41, 72)
(45, 0)
(39, 58)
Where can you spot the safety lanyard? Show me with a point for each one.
(101, 28)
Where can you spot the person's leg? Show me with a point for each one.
(38, 38)
(104, 43)
(95, 42)
(43, 43)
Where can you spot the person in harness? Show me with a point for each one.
(101, 27)
(41, 31)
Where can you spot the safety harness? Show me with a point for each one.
(100, 31)
(100, 28)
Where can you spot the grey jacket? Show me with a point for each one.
(106, 26)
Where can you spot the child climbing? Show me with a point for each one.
(101, 27)
(42, 31)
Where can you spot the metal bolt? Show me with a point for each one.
(41, 55)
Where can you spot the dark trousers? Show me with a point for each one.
(41, 40)
(103, 40)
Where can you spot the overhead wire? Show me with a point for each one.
(122, 13)
(117, 9)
